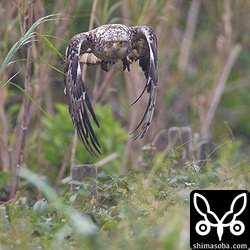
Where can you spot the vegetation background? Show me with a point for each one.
(204, 53)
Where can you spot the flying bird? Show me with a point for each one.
(103, 46)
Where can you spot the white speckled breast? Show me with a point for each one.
(105, 34)
(113, 32)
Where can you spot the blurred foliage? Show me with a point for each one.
(57, 136)
(147, 208)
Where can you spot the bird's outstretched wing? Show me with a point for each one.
(146, 51)
(78, 100)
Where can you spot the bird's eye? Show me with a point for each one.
(121, 43)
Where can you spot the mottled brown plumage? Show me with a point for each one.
(106, 45)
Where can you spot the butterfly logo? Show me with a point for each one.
(236, 227)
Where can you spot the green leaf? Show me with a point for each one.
(4, 177)
(29, 96)
(49, 44)
(82, 225)
(109, 224)
(26, 38)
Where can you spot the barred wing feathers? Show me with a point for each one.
(146, 45)
(78, 100)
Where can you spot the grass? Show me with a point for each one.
(146, 207)
(135, 211)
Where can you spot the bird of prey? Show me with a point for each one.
(106, 45)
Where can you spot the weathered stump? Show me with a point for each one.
(2, 213)
(180, 140)
(80, 172)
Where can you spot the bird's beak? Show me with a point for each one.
(116, 46)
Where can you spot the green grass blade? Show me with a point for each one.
(49, 44)
(82, 225)
(29, 96)
(25, 39)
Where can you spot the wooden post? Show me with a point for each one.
(180, 140)
(2, 214)
(79, 172)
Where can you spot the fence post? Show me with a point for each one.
(2, 214)
(80, 172)
(180, 140)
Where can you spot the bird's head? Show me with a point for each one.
(116, 49)
(116, 45)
